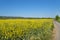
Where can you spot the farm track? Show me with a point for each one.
(56, 30)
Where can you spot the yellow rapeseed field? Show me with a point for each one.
(26, 29)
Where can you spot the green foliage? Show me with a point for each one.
(57, 17)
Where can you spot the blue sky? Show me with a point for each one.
(30, 8)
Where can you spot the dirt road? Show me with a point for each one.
(56, 30)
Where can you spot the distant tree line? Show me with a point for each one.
(7, 17)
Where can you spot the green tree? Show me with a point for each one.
(57, 17)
